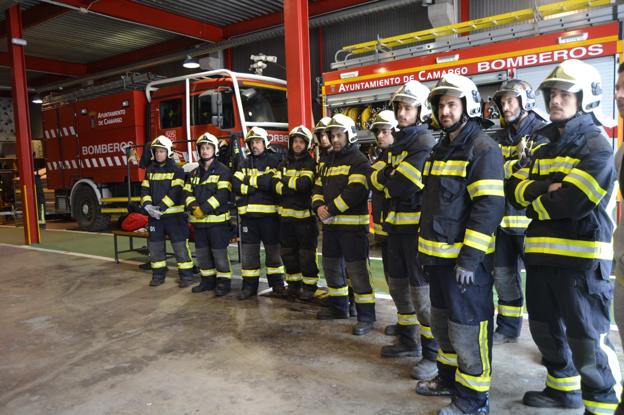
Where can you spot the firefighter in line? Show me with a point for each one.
(258, 209)
(568, 248)
(402, 178)
(340, 200)
(462, 205)
(207, 194)
(163, 199)
(324, 153)
(618, 236)
(293, 181)
(515, 101)
(383, 127)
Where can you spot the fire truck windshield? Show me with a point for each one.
(264, 104)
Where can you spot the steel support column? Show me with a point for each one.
(22, 125)
(297, 43)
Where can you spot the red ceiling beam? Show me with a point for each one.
(51, 66)
(149, 52)
(150, 16)
(315, 9)
(36, 15)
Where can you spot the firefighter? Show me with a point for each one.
(515, 101)
(340, 200)
(325, 148)
(207, 194)
(568, 249)
(402, 178)
(462, 204)
(293, 181)
(257, 207)
(163, 200)
(383, 127)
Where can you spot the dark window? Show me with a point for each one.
(264, 104)
(205, 109)
(171, 114)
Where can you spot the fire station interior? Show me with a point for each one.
(84, 84)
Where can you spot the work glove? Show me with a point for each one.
(153, 211)
(197, 212)
(463, 276)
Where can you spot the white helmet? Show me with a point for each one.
(460, 87)
(384, 119)
(345, 123)
(520, 89)
(577, 77)
(303, 132)
(321, 125)
(207, 138)
(257, 132)
(162, 142)
(415, 94)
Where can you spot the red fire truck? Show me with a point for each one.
(88, 132)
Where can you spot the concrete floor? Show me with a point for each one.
(86, 336)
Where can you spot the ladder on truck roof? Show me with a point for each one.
(128, 81)
(200, 76)
(521, 23)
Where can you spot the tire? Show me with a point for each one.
(86, 210)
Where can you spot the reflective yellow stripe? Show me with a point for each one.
(364, 298)
(542, 213)
(599, 408)
(515, 222)
(177, 182)
(358, 178)
(211, 218)
(426, 332)
(521, 174)
(519, 192)
(338, 292)
(174, 209)
(587, 184)
(568, 247)
(564, 165)
(275, 270)
(250, 273)
(477, 240)
(341, 205)
(407, 319)
(279, 188)
(310, 280)
(509, 311)
(508, 151)
(292, 183)
(257, 209)
(146, 198)
(318, 198)
(214, 202)
(482, 382)
(240, 175)
(208, 272)
(375, 181)
(338, 171)
(448, 359)
(167, 201)
(438, 249)
(568, 384)
(161, 176)
(378, 230)
(253, 181)
(293, 277)
(188, 187)
(158, 264)
(227, 275)
(508, 167)
(224, 185)
(189, 200)
(293, 213)
(486, 188)
(348, 220)
(145, 183)
(378, 165)
(446, 168)
(411, 173)
(403, 218)
(244, 189)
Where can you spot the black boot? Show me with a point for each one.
(156, 281)
(223, 287)
(278, 290)
(185, 283)
(247, 292)
(362, 327)
(400, 350)
(206, 284)
(352, 310)
(294, 290)
(434, 387)
(307, 292)
(546, 399)
(391, 330)
(330, 313)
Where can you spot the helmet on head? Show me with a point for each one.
(577, 77)
(415, 94)
(345, 123)
(384, 119)
(162, 142)
(520, 89)
(257, 132)
(321, 125)
(460, 87)
(207, 138)
(303, 132)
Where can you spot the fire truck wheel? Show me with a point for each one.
(86, 210)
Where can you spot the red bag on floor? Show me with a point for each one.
(134, 221)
